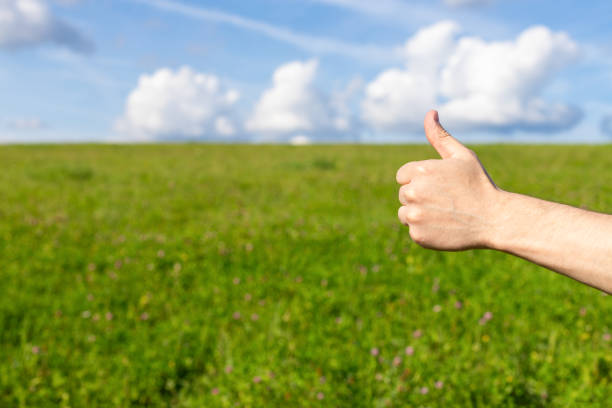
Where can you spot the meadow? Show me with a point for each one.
(266, 276)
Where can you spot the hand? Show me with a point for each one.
(449, 204)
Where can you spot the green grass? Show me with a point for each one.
(223, 276)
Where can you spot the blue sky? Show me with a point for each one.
(345, 70)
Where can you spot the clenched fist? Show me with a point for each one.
(449, 204)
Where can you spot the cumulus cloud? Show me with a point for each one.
(294, 106)
(606, 125)
(29, 22)
(397, 99)
(179, 104)
(475, 84)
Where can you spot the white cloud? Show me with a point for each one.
(293, 106)
(497, 84)
(178, 104)
(224, 126)
(398, 98)
(29, 22)
(430, 46)
(475, 84)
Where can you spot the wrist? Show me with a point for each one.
(498, 231)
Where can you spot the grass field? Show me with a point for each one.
(251, 276)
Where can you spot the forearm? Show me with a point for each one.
(568, 240)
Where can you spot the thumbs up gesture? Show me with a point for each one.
(449, 204)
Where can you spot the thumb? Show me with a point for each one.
(446, 145)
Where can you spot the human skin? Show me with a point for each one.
(452, 204)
